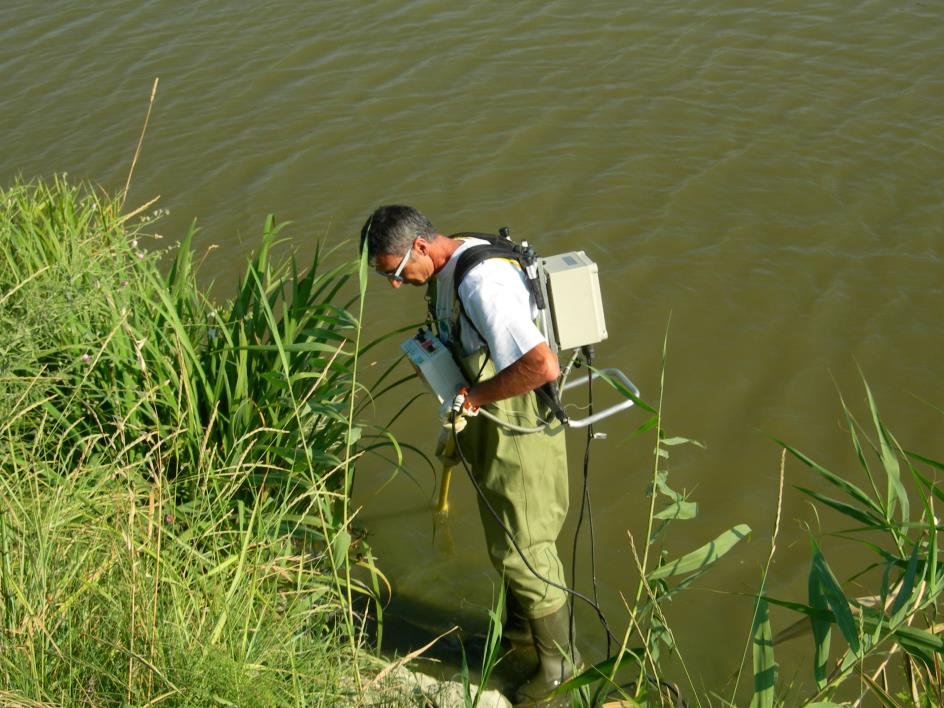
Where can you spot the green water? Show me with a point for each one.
(768, 179)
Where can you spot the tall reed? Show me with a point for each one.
(898, 622)
(173, 472)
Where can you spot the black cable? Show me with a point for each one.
(585, 505)
(573, 564)
(591, 436)
(514, 541)
(593, 549)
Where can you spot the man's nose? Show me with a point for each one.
(396, 283)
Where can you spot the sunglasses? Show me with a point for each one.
(395, 276)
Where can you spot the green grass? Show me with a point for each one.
(173, 471)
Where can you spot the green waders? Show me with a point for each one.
(524, 478)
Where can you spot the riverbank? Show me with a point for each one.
(173, 470)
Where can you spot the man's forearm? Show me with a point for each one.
(536, 368)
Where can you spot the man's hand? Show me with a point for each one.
(462, 406)
(453, 415)
(454, 411)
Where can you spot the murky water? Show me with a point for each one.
(762, 182)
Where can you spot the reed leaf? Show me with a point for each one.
(838, 604)
(678, 510)
(896, 490)
(905, 596)
(852, 425)
(905, 635)
(926, 460)
(762, 650)
(880, 693)
(931, 487)
(602, 670)
(931, 573)
(868, 520)
(834, 479)
(679, 440)
(625, 391)
(704, 556)
(821, 626)
(921, 645)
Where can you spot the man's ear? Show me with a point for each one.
(421, 245)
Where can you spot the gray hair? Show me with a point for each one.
(392, 228)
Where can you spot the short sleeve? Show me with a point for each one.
(497, 301)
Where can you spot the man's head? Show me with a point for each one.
(390, 236)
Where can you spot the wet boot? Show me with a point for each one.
(552, 640)
(516, 631)
(517, 642)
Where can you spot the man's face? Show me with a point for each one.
(414, 267)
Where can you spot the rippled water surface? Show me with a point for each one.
(762, 181)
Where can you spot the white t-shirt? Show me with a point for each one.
(496, 298)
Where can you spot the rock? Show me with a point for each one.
(404, 687)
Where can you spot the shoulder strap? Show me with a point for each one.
(468, 259)
(496, 247)
(474, 255)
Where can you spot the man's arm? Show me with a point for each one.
(535, 368)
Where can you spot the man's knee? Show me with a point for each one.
(539, 588)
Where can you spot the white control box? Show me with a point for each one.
(573, 286)
(435, 364)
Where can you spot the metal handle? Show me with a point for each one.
(582, 422)
(607, 412)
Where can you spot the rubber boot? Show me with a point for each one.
(520, 655)
(552, 637)
(516, 631)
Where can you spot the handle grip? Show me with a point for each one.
(607, 412)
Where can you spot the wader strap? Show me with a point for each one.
(454, 344)
(499, 247)
(431, 305)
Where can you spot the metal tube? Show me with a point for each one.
(582, 422)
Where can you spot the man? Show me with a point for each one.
(523, 477)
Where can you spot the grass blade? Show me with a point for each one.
(868, 520)
(896, 490)
(900, 606)
(821, 625)
(847, 486)
(835, 598)
(765, 668)
(601, 670)
(704, 556)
